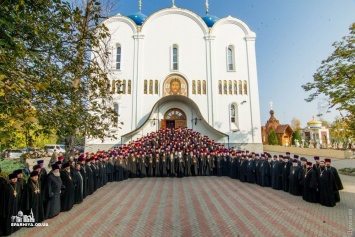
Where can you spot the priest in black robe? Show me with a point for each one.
(286, 168)
(42, 174)
(10, 205)
(250, 170)
(276, 174)
(32, 198)
(84, 175)
(181, 164)
(150, 167)
(163, 165)
(67, 199)
(110, 169)
(194, 166)
(90, 176)
(53, 190)
(326, 186)
(338, 183)
(309, 184)
(265, 172)
(243, 169)
(295, 179)
(78, 183)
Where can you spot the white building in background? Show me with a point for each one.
(315, 134)
(177, 68)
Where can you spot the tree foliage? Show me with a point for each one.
(296, 136)
(335, 79)
(54, 66)
(295, 124)
(273, 140)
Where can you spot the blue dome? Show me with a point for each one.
(210, 19)
(138, 17)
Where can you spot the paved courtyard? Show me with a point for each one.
(199, 206)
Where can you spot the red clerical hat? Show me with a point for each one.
(328, 160)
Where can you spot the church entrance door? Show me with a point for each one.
(174, 118)
(170, 124)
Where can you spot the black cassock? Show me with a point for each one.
(10, 206)
(243, 171)
(170, 166)
(110, 171)
(276, 175)
(67, 199)
(85, 180)
(250, 171)
(309, 182)
(3, 183)
(157, 172)
(100, 175)
(133, 167)
(194, 169)
(339, 184)
(188, 167)
(149, 163)
(52, 191)
(219, 165)
(120, 169)
(326, 187)
(78, 185)
(94, 170)
(257, 172)
(181, 167)
(295, 181)
(90, 179)
(42, 177)
(163, 167)
(285, 176)
(265, 173)
(32, 201)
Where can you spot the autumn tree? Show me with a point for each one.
(54, 69)
(295, 124)
(335, 79)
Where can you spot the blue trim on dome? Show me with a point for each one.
(210, 19)
(138, 18)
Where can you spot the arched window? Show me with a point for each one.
(230, 58)
(204, 87)
(175, 59)
(118, 56)
(156, 87)
(230, 88)
(220, 87)
(193, 87)
(129, 87)
(245, 88)
(116, 109)
(151, 87)
(225, 87)
(234, 120)
(123, 87)
(145, 86)
(235, 87)
(199, 87)
(240, 88)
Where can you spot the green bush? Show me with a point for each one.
(273, 138)
(8, 166)
(296, 136)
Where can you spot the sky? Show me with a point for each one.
(293, 37)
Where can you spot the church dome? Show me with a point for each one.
(210, 19)
(314, 123)
(138, 18)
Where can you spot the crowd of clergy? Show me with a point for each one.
(166, 153)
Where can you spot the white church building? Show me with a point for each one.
(179, 69)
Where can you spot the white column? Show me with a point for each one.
(253, 90)
(137, 82)
(210, 80)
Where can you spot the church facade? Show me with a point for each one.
(174, 69)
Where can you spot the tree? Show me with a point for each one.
(273, 140)
(296, 136)
(295, 124)
(339, 132)
(54, 67)
(335, 79)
